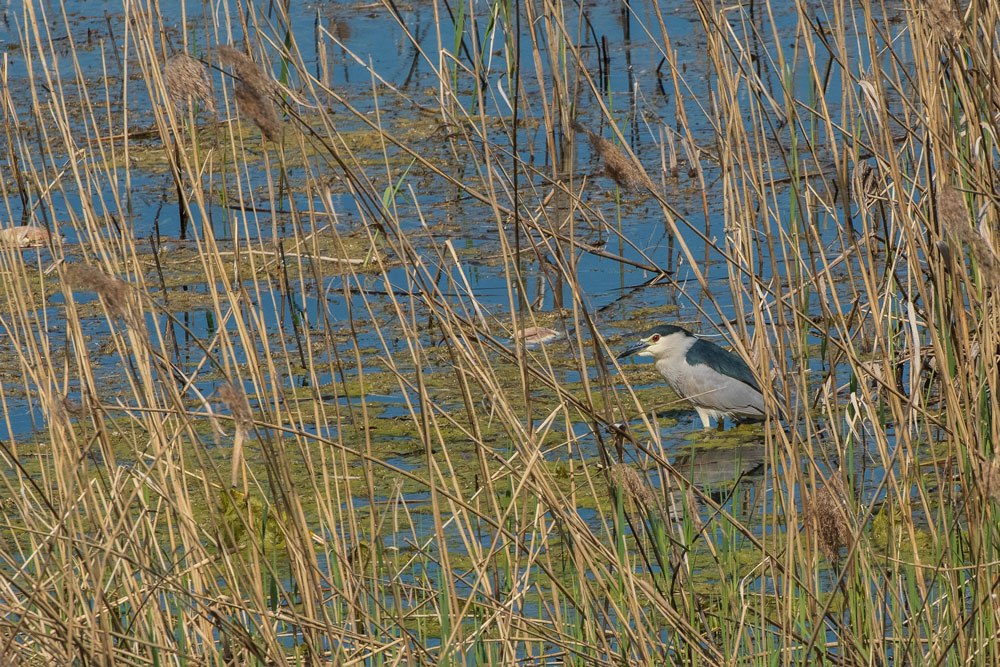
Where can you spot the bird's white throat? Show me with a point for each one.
(669, 347)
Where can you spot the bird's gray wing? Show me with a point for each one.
(706, 387)
(721, 361)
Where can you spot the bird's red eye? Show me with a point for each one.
(656, 337)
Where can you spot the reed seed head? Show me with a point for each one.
(618, 166)
(236, 400)
(255, 91)
(827, 513)
(186, 79)
(956, 222)
(259, 109)
(989, 479)
(247, 71)
(632, 484)
(952, 213)
(943, 20)
(113, 291)
(866, 185)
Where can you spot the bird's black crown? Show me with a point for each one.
(666, 330)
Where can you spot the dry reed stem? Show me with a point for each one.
(618, 166)
(186, 79)
(827, 513)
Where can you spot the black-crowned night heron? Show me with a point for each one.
(716, 381)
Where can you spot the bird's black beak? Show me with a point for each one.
(641, 345)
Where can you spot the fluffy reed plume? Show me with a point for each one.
(955, 222)
(236, 400)
(247, 70)
(254, 93)
(618, 166)
(113, 291)
(945, 24)
(632, 484)
(989, 479)
(260, 110)
(186, 79)
(827, 512)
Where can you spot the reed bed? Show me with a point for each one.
(215, 475)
